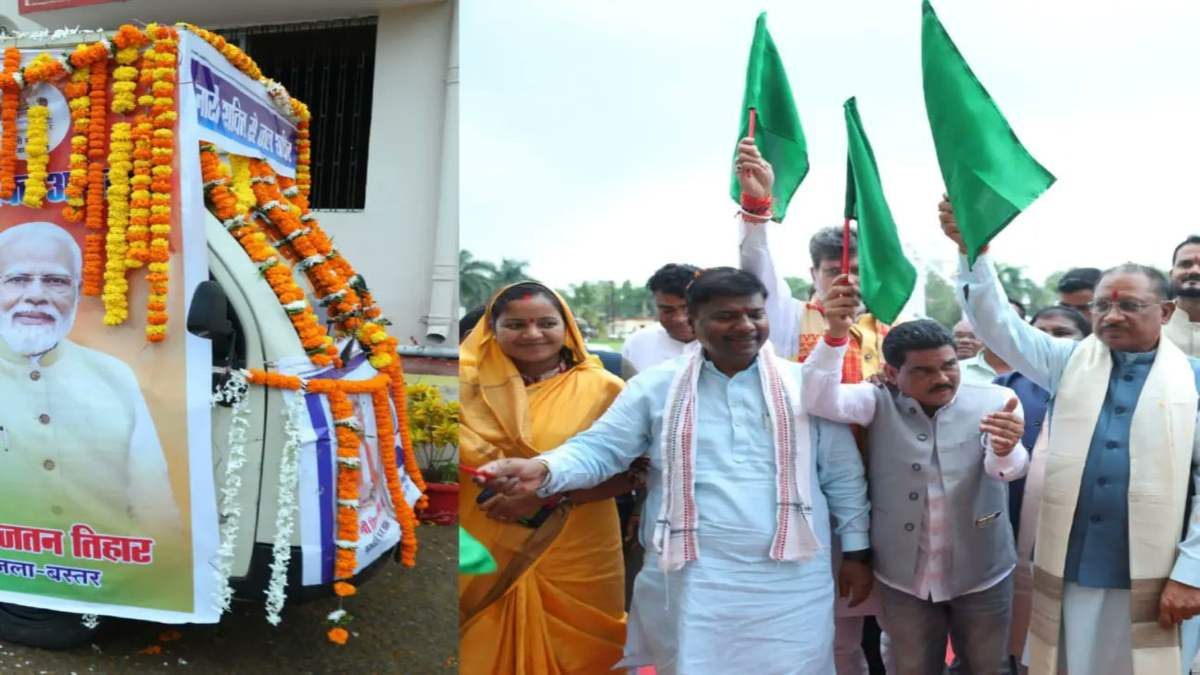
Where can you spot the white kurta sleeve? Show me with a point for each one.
(843, 481)
(1026, 349)
(823, 394)
(151, 500)
(783, 311)
(608, 447)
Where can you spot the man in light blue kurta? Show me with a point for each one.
(1097, 570)
(736, 605)
(779, 615)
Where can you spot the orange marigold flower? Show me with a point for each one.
(338, 636)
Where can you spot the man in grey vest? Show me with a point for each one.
(938, 457)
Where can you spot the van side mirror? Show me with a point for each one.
(208, 316)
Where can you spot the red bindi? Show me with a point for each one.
(1114, 295)
(527, 296)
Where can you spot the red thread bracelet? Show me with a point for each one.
(756, 205)
(836, 342)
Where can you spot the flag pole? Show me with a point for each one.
(750, 127)
(846, 246)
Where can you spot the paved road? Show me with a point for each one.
(406, 622)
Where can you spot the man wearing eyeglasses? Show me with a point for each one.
(79, 445)
(1114, 585)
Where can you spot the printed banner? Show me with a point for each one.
(32, 6)
(379, 531)
(234, 112)
(106, 495)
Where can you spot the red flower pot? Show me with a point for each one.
(443, 504)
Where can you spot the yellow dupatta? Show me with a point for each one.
(556, 602)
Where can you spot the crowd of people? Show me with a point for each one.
(801, 477)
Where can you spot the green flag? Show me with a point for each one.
(473, 558)
(777, 128)
(989, 175)
(885, 275)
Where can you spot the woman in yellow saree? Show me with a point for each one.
(556, 602)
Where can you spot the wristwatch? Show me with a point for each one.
(862, 556)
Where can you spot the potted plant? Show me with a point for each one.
(433, 428)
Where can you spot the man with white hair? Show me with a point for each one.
(77, 444)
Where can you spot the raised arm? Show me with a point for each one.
(754, 252)
(823, 394)
(1028, 350)
(821, 390)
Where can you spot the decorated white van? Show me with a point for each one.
(199, 399)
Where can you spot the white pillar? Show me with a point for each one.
(443, 294)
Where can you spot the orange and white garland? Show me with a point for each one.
(243, 226)
(349, 437)
(335, 282)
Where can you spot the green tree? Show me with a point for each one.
(940, 303)
(587, 302)
(1021, 288)
(476, 279)
(511, 271)
(633, 301)
(800, 287)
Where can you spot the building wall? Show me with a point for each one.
(394, 236)
(393, 240)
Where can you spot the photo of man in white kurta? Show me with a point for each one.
(77, 443)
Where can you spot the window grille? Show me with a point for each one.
(330, 65)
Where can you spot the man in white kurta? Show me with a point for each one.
(735, 607)
(1184, 327)
(1107, 618)
(78, 443)
(671, 334)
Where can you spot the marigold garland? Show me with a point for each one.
(385, 432)
(93, 269)
(335, 284)
(42, 68)
(225, 206)
(116, 286)
(80, 105)
(9, 105)
(37, 155)
(163, 117)
(349, 474)
(380, 388)
(128, 42)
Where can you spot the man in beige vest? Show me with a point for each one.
(1112, 580)
(1184, 327)
(78, 443)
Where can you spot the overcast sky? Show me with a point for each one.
(597, 136)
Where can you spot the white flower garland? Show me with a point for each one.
(285, 513)
(234, 393)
